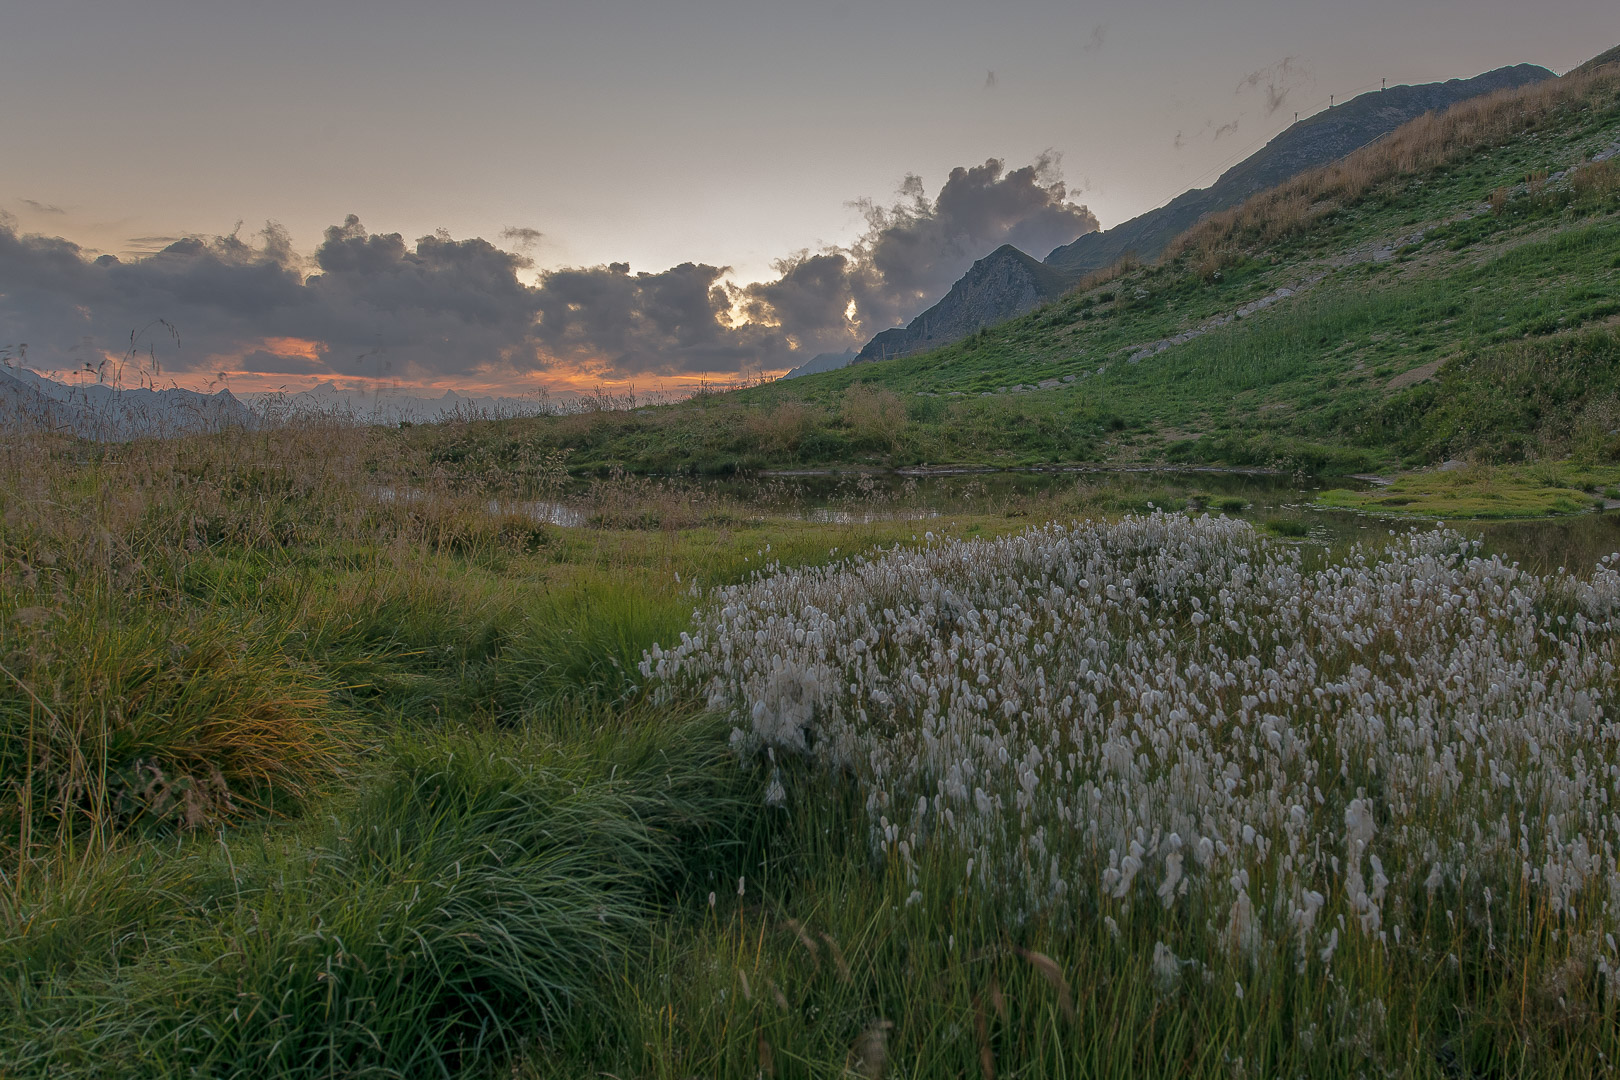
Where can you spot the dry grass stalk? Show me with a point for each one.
(837, 955)
(806, 940)
(1054, 976)
(981, 1029)
(762, 1051)
(870, 1054)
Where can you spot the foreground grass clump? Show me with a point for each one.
(468, 900)
(1483, 492)
(110, 719)
(1375, 795)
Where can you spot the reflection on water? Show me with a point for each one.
(547, 511)
(1281, 504)
(827, 515)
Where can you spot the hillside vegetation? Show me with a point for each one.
(331, 750)
(1445, 292)
(321, 755)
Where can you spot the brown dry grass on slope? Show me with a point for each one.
(1422, 145)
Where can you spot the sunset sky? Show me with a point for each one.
(626, 192)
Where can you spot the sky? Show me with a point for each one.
(498, 195)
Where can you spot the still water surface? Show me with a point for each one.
(1281, 503)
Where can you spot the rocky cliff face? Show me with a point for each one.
(1313, 142)
(1003, 284)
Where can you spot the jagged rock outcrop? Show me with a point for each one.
(1004, 283)
(1312, 142)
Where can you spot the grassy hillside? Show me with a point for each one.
(324, 751)
(1388, 310)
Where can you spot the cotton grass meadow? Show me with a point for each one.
(1382, 761)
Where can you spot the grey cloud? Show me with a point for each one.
(1228, 128)
(677, 321)
(915, 249)
(146, 245)
(524, 237)
(436, 307)
(441, 307)
(41, 208)
(989, 80)
(808, 302)
(1276, 82)
(1099, 34)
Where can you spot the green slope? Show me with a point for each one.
(1450, 291)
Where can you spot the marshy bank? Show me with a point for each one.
(301, 779)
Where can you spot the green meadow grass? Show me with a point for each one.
(449, 834)
(1484, 492)
(319, 755)
(1377, 365)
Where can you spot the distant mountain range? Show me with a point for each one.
(391, 406)
(99, 411)
(1007, 282)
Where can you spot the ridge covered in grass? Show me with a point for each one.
(1331, 324)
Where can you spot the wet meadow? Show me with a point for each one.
(326, 751)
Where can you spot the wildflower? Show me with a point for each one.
(1026, 704)
(1166, 967)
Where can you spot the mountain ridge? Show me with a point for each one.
(1004, 284)
(1309, 143)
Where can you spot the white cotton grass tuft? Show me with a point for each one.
(1296, 763)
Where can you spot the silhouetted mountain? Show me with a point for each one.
(827, 361)
(391, 405)
(96, 411)
(999, 286)
(1312, 142)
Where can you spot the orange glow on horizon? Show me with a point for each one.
(227, 371)
(562, 382)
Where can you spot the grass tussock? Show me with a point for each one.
(473, 897)
(110, 722)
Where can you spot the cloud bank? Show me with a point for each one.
(441, 310)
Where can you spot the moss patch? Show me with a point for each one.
(1483, 492)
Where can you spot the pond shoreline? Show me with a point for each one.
(977, 470)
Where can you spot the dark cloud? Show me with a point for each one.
(676, 321)
(441, 308)
(1228, 128)
(1275, 83)
(265, 363)
(989, 80)
(41, 208)
(1099, 34)
(915, 249)
(524, 237)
